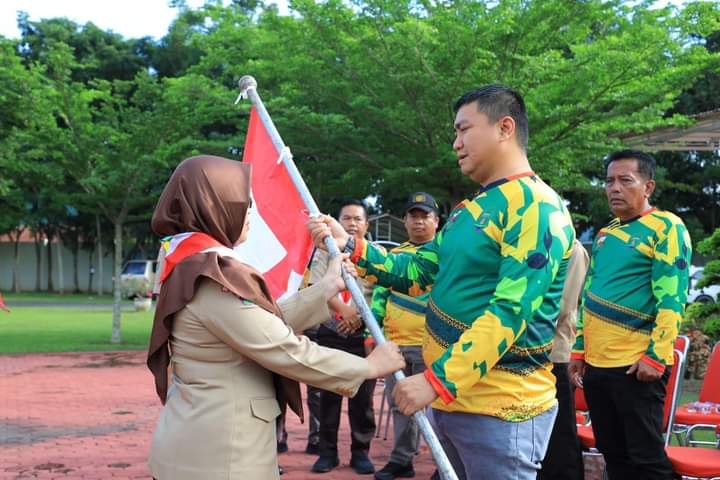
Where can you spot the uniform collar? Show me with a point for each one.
(497, 183)
(630, 220)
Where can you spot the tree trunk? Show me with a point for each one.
(16, 260)
(50, 285)
(91, 270)
(100, 276)
(117, 243)
(76, 254)
(61, 279)
(38, 262)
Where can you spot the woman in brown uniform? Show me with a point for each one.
(231, 347)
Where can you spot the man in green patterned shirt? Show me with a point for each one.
(496, 270)
(633, 302)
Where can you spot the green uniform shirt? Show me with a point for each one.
(635, 293)
(497, 270)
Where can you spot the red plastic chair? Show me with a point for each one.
(672, 394)
(682, 343)
(696, 463)
(584, 427)
(687, 422)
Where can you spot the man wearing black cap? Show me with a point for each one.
(403, 318)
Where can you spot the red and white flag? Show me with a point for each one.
(279, 244)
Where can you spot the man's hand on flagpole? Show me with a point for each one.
(323, 226)
(413, 394)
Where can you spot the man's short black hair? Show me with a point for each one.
(646, 164)
(353, 202)
(497, 101)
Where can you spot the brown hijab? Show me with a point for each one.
(210, 195)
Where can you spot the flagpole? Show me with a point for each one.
(248, 89)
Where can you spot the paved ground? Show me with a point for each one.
(91, 416)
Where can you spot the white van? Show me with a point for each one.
(137, 278)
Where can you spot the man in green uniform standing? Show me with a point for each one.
(403, 320)
(633, 302)
(496, 270)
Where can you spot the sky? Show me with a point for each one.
(130, 18)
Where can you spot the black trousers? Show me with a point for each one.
(360, 407)
(313, 402)
(563, 460)
(627, 420)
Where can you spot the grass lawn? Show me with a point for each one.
(44, 297)
(28, 330)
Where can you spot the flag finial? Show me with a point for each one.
(245, 83)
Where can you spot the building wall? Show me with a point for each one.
(28, 268)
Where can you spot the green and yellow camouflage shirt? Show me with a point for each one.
(401, 316)
(497, 270)
(635, 292)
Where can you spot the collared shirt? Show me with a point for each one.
(402, 316)
(635, 293)
(497, 270)
(572, 291)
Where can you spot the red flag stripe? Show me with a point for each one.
(279, 204)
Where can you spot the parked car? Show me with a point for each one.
(707, 294)
(137, 278)
(386, 244)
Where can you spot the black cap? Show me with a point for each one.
(423, 201)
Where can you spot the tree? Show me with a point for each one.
(108, 145)
(27, 199)
(97, 53)
(707, 315)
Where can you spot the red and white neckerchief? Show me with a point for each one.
(177, 248)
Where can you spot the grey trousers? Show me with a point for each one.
(481, 447)
(405, 429)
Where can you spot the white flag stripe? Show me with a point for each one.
(262, 249)
(294, 283)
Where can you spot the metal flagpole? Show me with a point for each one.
(248, 89)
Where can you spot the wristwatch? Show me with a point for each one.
(350, 245)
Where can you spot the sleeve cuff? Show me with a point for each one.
(653, 363)
(439, 388)
(577, 356)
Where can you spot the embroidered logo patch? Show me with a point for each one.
(482, 221)
(600, 240)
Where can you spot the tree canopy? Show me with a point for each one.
(362, 91)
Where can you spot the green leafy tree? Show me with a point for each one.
(364, 91)
(707, 315)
